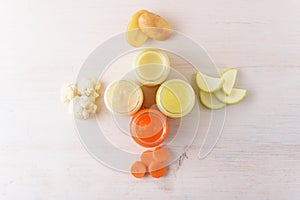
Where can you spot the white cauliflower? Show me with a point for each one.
(89, 87)
(83, 107)
(82, 97)
(68, 92)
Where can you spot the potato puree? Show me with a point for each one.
(123, 97)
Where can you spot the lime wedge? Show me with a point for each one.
(208, 83)
(229, 77)
(235, 96)
(210, 101)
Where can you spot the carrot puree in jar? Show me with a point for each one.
(149, 127)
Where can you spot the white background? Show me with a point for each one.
(43, 44)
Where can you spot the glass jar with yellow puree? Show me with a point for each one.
(175, 98)
(151, 66)
(123, 97)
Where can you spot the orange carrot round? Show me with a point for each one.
(147, 157)
(157, 169)
(161, 154)
(138, 169)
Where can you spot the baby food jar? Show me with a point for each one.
(151, 66)
(149, 127)
(123, 97)
(175, 98)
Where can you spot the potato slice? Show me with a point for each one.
(134, 35)
(154, 26)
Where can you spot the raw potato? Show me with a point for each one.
(154, 26)
(134, 35)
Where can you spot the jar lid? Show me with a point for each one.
(149, 127)
(123, 97)
(175, 98)
(152, 66)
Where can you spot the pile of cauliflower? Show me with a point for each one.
(81, 97)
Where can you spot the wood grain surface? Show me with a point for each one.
(43, 43)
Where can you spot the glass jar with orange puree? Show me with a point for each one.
(149, 127)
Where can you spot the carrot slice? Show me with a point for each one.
(147, 157)
(161, 154)
(157, 169)
(138, 169)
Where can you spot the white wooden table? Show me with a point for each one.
(43, 44)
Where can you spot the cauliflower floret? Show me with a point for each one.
(89, 87)
(83, 107)
(68, 92)
(82, 97)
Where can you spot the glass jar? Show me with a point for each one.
(123, 97)
(175, 98)
(151, 66)
(149, 127)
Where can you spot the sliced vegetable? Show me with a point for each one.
(138, 169)
(134, 35)
(161, 154)
(147, 157)
(157, 169)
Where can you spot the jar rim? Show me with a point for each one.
(133, 108)
(157, 114)
(163, 73)
(184, 110)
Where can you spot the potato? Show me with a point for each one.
(134, 35)
(154, 26)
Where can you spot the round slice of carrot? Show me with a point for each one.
(157, 169)
(147, 157)
(161, 154)
(138, 169)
